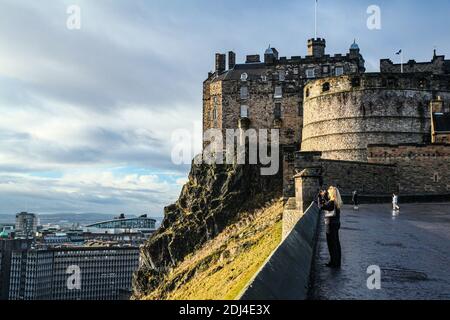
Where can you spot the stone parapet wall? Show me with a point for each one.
(291, 215)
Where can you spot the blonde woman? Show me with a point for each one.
(332, 209)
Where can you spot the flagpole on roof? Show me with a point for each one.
(315, 19)
(401, 61)
(400, 53)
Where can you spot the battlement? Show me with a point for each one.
(438, 65)
(315, 55)
(369, 81)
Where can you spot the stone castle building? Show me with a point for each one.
(377, 133)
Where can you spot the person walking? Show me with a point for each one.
(332, 209)
(355, 200)
(395, 206)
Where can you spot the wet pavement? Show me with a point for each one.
(412, 251)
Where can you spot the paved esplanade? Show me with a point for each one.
(412, 250)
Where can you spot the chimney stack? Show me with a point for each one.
(220, 62)
(231, 60)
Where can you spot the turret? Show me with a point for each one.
(354, 50)
(270, 56)
(316, 47)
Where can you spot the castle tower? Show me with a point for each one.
(316, 47)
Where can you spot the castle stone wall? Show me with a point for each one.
(421, 169)
(343, 115)
(366, 178)
(438, 65)
(261, 104)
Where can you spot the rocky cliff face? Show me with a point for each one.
(213, 198)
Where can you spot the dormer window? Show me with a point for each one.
(278, 92)
(244, 76)
(339, 71)
(310, 73)
(326, 69)
(244, 93)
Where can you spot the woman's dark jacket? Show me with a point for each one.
(330, 206)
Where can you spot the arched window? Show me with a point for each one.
(436, 177)
(244, 76)
(307, 92)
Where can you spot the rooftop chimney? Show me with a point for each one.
(231, 60)
(254, 58)
(220, 62)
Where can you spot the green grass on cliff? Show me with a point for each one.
(223, 267)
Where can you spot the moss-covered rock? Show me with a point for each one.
(214, 198)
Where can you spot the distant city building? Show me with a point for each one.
(26, 224)
(142, 224)
(6, 231)
(66, 273)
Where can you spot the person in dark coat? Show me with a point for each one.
(332, 209)
(322, 198)
(355, 200)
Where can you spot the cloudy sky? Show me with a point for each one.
(86, 116)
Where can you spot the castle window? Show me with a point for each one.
(278, 92)
(436, 177)
(356, 82)
(422, 83)
(244, 111)
(310, 73)
(307, 93)
(447, 109)
(326, 69)
(277, 111)
(392, 82)
(339, 71)
(214, 113)
(282, 76)
(244, 76)
(326, 87)
(244, 93)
